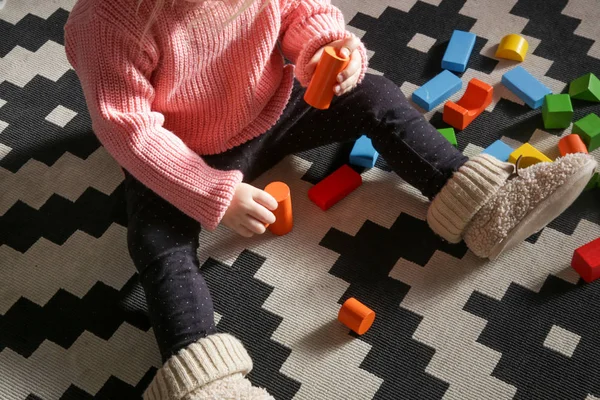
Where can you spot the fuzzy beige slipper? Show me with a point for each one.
(527, 203)
(213, 368)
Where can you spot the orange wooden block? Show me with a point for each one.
(572, 144)
(320, 90)
(476, 98)
(356, 316)
(283, 214)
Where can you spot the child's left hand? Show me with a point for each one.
(348, 78)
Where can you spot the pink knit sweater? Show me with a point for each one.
(192, 86)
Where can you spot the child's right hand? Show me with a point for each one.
(248, 211)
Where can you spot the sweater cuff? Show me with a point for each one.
(209, 359)
(223, 189)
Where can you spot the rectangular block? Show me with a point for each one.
(458, 51)
(525, 86)
(363, 153)
(438, 89)
(586, 261)
(499, 149)
(335, 187)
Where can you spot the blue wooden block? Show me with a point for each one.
(437, 90)
(500, 150)
(458, 51)
(525, 86)
(363, 153)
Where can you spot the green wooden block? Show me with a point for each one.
(448, 133)
(588, 128)
(585, 87)
(594, 182)
(557, 111)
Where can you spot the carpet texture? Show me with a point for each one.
(449, 326)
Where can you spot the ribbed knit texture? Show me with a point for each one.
(464, 194)
(195, 85)
(208, 360)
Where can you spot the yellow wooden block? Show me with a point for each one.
(512, 47)
(530, 154)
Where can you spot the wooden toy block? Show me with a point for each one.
(571, 144)
(512, 47)
(586, 261)
(593, 183)
(586, 87)
(438, 89)
(320, 90)
(525, 86)
(476, 98)
(335, 187)
(499, 149)
(356, 316)
(588, 128)
(458, 51)
(530, 154)
(284, 221)
(363, 153)
(557, 111)
(449, 134)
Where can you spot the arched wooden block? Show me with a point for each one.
(512, 47)
(476, 98)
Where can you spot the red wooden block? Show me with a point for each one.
(572, 144)
(335, 187)
(476, 98)
(586, 261)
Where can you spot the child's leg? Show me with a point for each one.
(162, 243)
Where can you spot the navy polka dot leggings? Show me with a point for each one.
(163, 241)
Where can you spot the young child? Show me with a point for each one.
(193, 99)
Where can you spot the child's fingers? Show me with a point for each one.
(254, 226)
(261, 213)
(351, 70)
(347, 85)
(349, 45)
(265, 199)
(245, 232)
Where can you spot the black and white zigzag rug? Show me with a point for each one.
(448, 326)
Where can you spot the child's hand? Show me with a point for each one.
(249, 211)
(348, 78)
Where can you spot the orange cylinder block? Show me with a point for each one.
(320, 90)
(356, 316)
(283, 214)
(571, 144)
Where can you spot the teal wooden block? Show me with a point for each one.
(499, 149)
(363, 153)
(557, 111)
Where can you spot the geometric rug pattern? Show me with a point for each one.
(73, 321)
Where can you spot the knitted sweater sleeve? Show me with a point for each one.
(308, 25)
(114, 72)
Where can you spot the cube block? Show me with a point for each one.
(458, 51)
(530, 154)
(363, 153)
(588, 128)
(500, 150)
(335, 187)
(594, 182)
(586, 87)
(519, 81)
(557, 111)
(449, 134)
(435, 91)
(586, 261)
